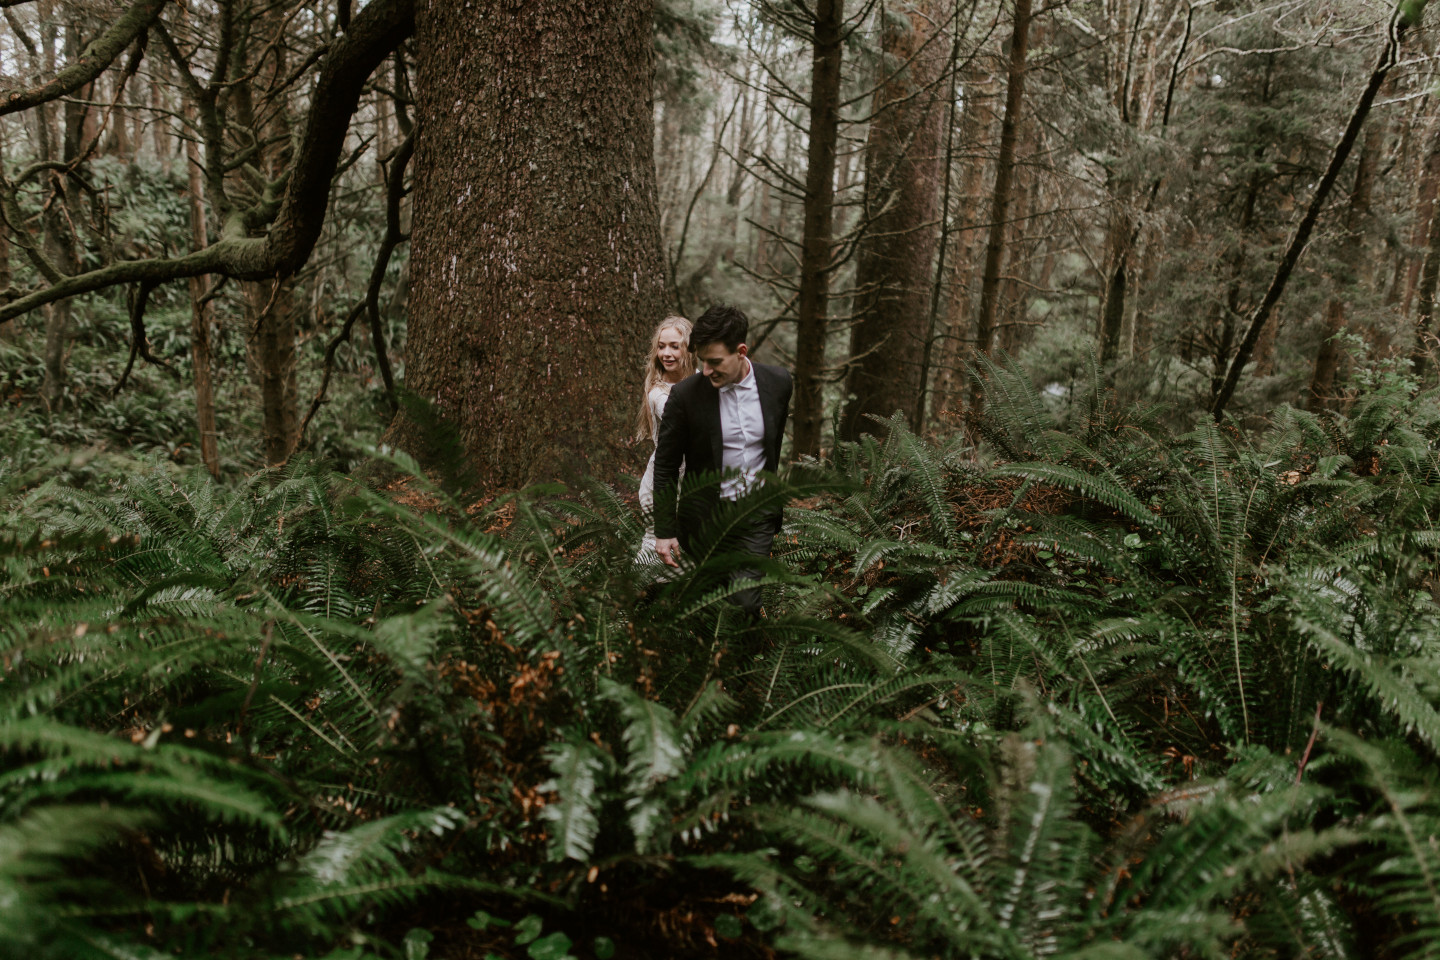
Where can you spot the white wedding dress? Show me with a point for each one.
(656, 398)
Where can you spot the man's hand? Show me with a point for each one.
(667, 549)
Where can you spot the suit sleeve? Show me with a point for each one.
(785, 402)
(787, 387)
(669, 454)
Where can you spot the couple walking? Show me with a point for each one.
(714, 432)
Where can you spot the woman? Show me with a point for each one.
(670, 361)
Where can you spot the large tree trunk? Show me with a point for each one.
(893, 272)
(1422, 357)
(1000, 203)
(816, 253)
(536, 267)
(1426, 203)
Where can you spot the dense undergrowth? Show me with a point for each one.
(1112, 693)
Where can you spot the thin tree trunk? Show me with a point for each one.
(894, 267)
(1000, 202)
(159, 71)
(937, 288)
(1262, 312)
(1141, 328)
(8, 331)
(60, 241)
(730, 228)
(270, 332)
(1327, 358)
(976, 122)
(1014, 306)
(812, 321)
(200, 322)
(270, 308)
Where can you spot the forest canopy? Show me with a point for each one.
(1103, 617)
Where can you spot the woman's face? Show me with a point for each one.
(671, 350)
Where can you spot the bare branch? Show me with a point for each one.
(93, 61)
(394, 193)
(139, 342)
(374, 33)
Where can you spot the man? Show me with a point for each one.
(728, 419)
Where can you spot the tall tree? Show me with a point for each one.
(58, 223)
(1327, 357)
(902, 178)
(977, 117)
(1000, 200)
(262, 110)
(536, 269)
(816, 255)
(201, 321)
(1406, 15)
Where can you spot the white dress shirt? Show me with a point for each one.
(742, 431)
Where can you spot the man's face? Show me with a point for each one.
(721, 366)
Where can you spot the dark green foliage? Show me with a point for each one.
(1121, 693)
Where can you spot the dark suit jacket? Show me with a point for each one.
(690, 434)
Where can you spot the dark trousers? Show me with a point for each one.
(754, 537)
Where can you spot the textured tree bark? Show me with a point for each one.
(976, 122)
(5, 275)
(59, 237)
(1112, 317)
(1422, 357)
(270, 344)
(893, 271)
(536, 269)
(1327, 358)
(1000, 203)
(812, 321)
(1265, 346)
(200, 323)
(942, 266)
(1011, 330)
(1426, 204)
(270, 307)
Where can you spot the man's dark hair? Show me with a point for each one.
(721, 323)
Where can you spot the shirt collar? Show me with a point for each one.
(746, 382)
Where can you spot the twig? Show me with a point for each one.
(394, 193)
(1314, 732)
(139, 342)
(334, 345)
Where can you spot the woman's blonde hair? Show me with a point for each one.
(655, 372)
